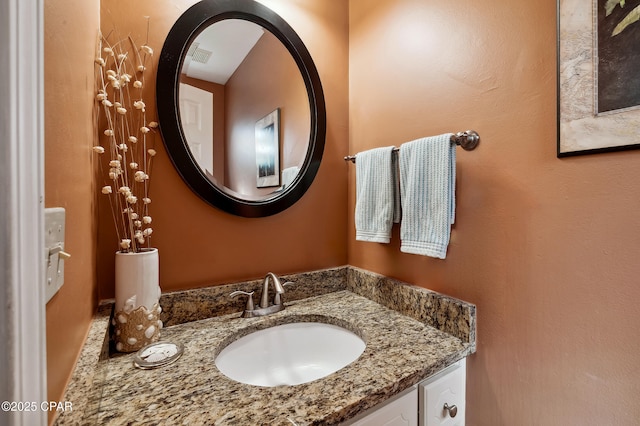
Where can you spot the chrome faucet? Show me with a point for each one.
(264, 301)
(266, 307)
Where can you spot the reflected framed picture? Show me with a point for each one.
(598, 78)
(268, 150)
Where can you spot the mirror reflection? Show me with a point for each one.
(244, 109)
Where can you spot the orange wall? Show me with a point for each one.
(70, 28)
(200, 245)
(546, 248)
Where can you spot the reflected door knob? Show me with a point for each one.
(452, 410)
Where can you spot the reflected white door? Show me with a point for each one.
(196, 114)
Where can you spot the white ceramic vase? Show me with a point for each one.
(136, 319)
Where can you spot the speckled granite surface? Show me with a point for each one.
(89, 371)
(402, 348)
(445, 313)
(193, 305)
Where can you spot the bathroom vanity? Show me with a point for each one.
(412, 336)
(438, 400)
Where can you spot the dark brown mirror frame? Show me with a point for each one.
(183, 32)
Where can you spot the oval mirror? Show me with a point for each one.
(241, 107)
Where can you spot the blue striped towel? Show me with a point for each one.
(377, 198)
(427, 192)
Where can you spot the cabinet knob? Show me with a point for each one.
(451, 410)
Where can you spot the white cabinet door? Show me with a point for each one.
(447, 387)
(399, 411)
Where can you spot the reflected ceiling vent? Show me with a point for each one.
(201, 55)
(198, 55)
(192, 48)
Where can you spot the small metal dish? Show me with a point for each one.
(157, 354)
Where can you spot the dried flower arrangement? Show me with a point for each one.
(126, 152)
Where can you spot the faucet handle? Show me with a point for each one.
(249, 306)
(277, 299)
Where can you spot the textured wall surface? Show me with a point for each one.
(200, 245)
(545, 248)
(70, 31)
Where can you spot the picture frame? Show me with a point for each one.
(267, 133)
(585, 37)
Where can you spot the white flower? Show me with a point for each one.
(152, 152)
(137, 84)
(133, 139)
(132, 199)
(140, 176)
(141, 240)
(147, 232)
(116, 84)
(111, 77)
(116, 171)
(122, 56)
(123, 147)
(127, 210)
(101, 96)
(125, 78)
(134, 216)
(121, 110)
(146, 200)
(141, 68)
(147, 49)
(107, 103)
(133, 166)
(112, 175)
(114, 163)
(139, 104)
(108, 50)
(108, 132)
(119, 157)
(100, 62)
(137, 223)
(144, 129)
(146, 219)
(111, 73)
(125, 243)
(98, 149)
(153, 124)
(124, 190)
(106, 190)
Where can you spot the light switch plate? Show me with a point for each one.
(54, 219)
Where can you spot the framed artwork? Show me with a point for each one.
(268, 150)
(598, 77)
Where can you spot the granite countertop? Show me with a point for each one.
(401, 350)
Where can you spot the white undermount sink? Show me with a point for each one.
(289, 354)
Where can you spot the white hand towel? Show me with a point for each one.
(288, 175)
(376, 195)
(427, 192)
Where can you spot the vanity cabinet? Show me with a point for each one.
(401, 410)
(438, 400)
(441, 397)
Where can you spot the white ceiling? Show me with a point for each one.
(229, 42)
